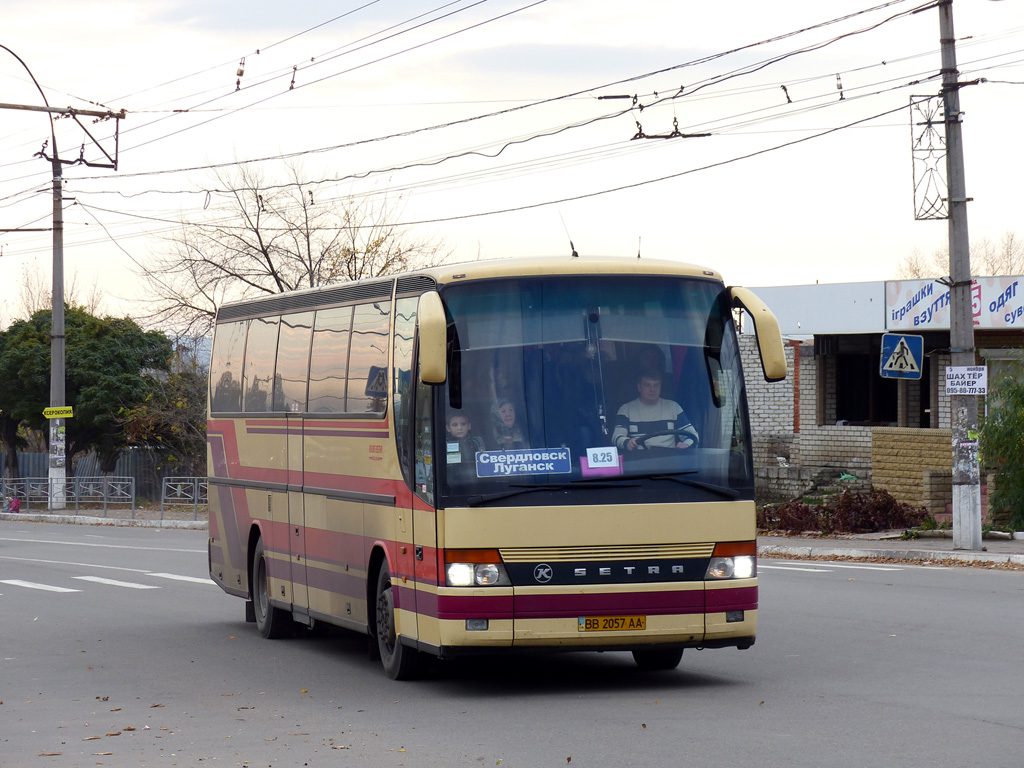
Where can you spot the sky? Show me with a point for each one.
(487, 125)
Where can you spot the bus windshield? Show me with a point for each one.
(624, 389)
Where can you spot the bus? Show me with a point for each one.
(463, 459)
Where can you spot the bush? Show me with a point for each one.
(848, 512)
(1002, 445)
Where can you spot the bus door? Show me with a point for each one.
(297, 514)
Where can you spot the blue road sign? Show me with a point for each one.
(902, 356)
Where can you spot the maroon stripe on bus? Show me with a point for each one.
(619, 603)
(467, 607)
(739, 599)
(339, 584)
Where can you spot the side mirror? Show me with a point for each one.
(433, 334)
(766, 330)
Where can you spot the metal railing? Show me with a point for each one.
(183, 491)
(71, 493)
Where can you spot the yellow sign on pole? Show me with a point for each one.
(64, 412)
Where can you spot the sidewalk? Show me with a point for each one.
(889, 546)
(996, 553)
(138, 518)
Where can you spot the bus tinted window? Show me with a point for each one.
(260, 354)
(368, 358)
(545, 377)
(329, 360)
(405, 329)
(293, 362)
(226, 368)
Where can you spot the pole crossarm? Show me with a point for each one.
(70, 111)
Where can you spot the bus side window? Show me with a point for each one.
(260, 357)
(329, 362)
(226, 367)
(292, 376)
(424, 442)
(405, 330)
(368, 358)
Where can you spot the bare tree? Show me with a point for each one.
(916, 266)
(36, 290)
(270, 238)
(987, 258)
(1006, 258)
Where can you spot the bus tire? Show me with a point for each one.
(658, 659)
(400, 662)
(273, 623)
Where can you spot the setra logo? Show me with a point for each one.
(543, 573)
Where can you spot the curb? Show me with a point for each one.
(890, 554)
(35, 517)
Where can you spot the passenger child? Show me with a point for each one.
(462, 444)
(507, 434)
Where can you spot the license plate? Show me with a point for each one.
(611, 623)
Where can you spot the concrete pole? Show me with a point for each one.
(58, 437)
(966, 474)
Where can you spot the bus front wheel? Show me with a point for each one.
(273, 623)
(659, 659)
(400, 661)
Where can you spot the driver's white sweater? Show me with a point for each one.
(636, 419)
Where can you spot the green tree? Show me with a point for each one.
(172, 417)
(9, 439)
(111, 364)
(1002, 445)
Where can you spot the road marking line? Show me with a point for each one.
(74, 565)
(34, 585)
(115, 582)
(790, 568)
(866, 567)
(177, 577)
(103, 546)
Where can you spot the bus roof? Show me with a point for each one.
(494, 268)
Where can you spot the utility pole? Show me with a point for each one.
(57, 473)
(966, 472)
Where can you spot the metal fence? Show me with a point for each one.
(76, 493)
(183, 491)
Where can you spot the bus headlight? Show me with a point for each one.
(733, 560)
(738, 567)
(474, 568)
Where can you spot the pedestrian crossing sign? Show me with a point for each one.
(902, 356)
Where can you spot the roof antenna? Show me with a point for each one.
(639, 240)
(573, 247)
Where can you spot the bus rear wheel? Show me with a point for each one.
(400, 662)
(658, 659)
(273, 623)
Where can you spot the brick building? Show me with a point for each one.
(836, 415)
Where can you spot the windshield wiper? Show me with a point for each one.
(475, 501)
(676, 477)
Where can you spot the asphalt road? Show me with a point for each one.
(146, 663)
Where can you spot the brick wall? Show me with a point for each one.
(784, 424)
(913, 465)
(770, 403)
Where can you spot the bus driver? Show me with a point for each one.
(650, 414)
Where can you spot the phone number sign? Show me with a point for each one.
(966, 380)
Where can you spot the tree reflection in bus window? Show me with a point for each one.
(260, 354)
(329, 360)
(368, 358)
(291, 378)
(226, 367)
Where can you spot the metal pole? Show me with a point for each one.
(966, 473)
